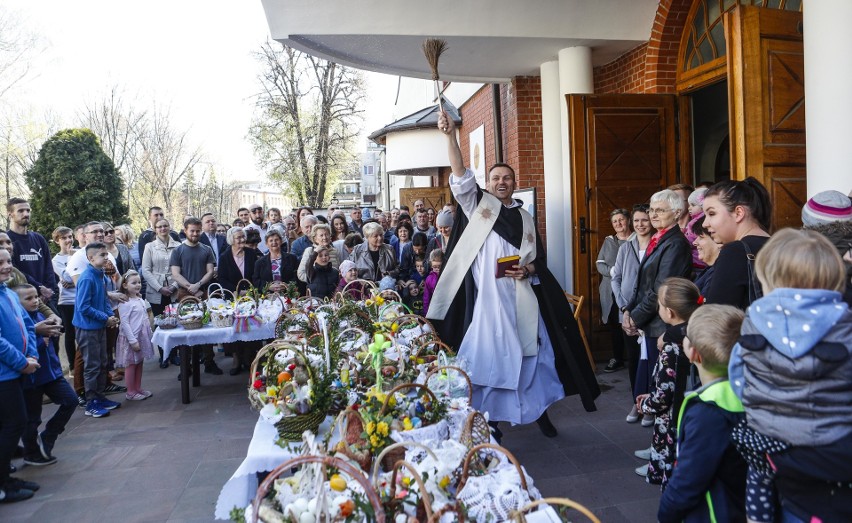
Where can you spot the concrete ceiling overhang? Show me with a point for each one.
(489, 40)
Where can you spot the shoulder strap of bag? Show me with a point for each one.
(755, 290)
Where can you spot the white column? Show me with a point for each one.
(575, 76)
(551, 131)
(828, 44)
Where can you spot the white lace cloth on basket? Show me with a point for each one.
(494, 496)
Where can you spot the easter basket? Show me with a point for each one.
(190, 313)
(352, 444)
(518, 516)
(168, 319)
(220, 305)
(313, 495)
(421, 419)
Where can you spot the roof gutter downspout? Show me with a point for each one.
(498, 123)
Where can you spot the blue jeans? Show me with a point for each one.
(59, 392)
(13, 419)
(92, 345)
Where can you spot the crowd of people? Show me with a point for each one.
(738, 347)
(737, 342)
(103, 287)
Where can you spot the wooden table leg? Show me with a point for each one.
(185, 353)
(196, 366)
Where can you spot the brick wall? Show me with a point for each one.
(652, 66)
(522, 133)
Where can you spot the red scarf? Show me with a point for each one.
(654, 240)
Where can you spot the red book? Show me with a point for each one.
(506, 263)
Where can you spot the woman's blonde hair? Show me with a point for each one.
(800, 259)
(129, 234)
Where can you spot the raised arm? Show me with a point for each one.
(448, 127)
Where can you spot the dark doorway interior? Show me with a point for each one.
(711, 155)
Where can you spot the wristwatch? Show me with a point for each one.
(526, 272)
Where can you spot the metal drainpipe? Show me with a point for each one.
(498, 123)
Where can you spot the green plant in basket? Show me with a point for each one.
(377, 424)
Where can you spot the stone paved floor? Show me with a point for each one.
(159, 460)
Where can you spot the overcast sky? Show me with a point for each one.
(192, 55)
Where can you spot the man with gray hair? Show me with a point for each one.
(304, 241)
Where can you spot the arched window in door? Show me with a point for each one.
(702, 57)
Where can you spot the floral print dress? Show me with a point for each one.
(670, 375)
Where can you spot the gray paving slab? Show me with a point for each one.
(160, 460)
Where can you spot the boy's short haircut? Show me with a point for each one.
(23, 287)
(96, 246)
(800, 259)
(352, 240)
(712, 331)
(192, 220)
(437, 255)
(321, 249)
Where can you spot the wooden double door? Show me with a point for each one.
(626, 147)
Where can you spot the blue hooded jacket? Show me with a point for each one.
(92, 308)
(51, 367)
(17, 335)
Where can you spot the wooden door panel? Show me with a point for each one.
(767, 105)
(434, 197)
(622, 151)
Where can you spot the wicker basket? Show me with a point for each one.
(394, 452)
(218, 318)
(424, 504)
(350, 427)
(518, 515)
(268, 351)
(166, 321)
(343, 466)
(188, 304)
(444, 368)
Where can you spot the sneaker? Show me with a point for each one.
(21, 484)
(81, 402)
(146, 393)
(647, 420)
(11, 495)
(136, 397)
(112, 388)
(96, 411)
(642, 471)
(614, 365)
(108, 404)
(644, 454)
(39, 460)
(212, 368)
(44, 448)
(633, 416)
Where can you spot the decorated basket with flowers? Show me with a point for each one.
(323, 488)
(289, 390)
(220, 305)
(191, 313)
(168, 319)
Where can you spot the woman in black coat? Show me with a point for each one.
(668, 255)
(236, 263)
(285, 263)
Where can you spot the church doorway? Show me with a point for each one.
(711, 157)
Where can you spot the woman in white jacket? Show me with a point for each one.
(161, 288)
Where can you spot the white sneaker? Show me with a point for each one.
(644, 454)
(634, 416)
(647, 420)
(642, 471)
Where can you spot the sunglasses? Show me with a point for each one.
(96, 231)
(111, 231)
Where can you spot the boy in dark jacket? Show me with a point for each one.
(322, 277)
(708, 480)
(47, 380)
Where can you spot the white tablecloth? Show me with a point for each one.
(168, 339)
(263, 455)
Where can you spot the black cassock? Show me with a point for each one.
(572, 364)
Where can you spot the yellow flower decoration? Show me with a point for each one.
(382, 428)
(369, 302)
(380, 300)
(444, 482)
(406, 424)
(371, 427)
(374, 440)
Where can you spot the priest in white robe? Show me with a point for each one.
(515, 334)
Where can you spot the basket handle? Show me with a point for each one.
(477, 448)
(460, 371)
(422, 345)
(377, 462)
(277, 344)
(237, 286)
(328, 461)
(446, 509)
(403, 386)
(211, 290)
(518, 515)
(424, 494)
